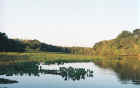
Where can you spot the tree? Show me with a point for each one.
(125, 44)
(3, 41)
(124, 34)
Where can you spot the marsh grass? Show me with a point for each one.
(42, 57)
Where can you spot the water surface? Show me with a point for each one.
(67, 75)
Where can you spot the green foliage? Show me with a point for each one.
(35, 45)
(75, 73)
(7, 44)
(17, 45)
(127, 43)
(12, 57)
(136, 32)
(80, 50)
(124, 34)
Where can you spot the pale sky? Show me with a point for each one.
(68, 22)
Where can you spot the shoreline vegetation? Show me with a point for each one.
(13, 57)
(126, 44)
(60, 58)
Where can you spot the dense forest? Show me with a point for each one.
(126, 43)
(7, 44)
(17, 45)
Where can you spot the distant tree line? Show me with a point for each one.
(7, 44)
(17, 45)
(80, 50)
(126, 43)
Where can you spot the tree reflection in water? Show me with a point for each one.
(7, 81)
(127, 69)
(33, 69)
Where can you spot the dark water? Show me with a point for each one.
(67, 75)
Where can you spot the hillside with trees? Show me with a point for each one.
(126, 43)
(18, 45)
(7, 44)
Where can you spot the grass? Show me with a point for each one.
(47, 57)
(42, 57)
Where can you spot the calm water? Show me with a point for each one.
(67, 75)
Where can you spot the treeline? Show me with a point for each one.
(80, 50)
(36, 45)
(126, 43)
(7, 44)
(17, 45)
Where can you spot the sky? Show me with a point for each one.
(68, 22)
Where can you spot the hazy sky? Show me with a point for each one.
(68, 22)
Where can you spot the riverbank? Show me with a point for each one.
(47, 57)
(42, 57)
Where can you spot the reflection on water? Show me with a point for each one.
(35, 69)
(28, 68)
(127, 69)
(124, 73)
(7, 81)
